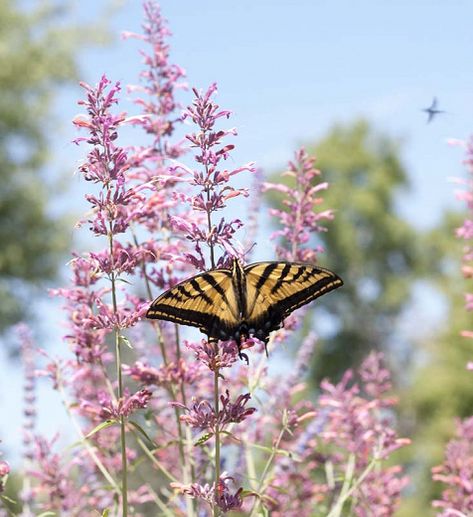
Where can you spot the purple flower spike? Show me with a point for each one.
(221, 496)
(107, 409)
(299, 218)
(211, 178)
(29, 395)
(456, 473)
(4, 471)
(225, 356)
(201, 415)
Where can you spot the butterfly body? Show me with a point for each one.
(243, 301)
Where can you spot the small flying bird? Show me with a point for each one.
(432, 110)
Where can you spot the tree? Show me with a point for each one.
(439, 389)
(368, 244)
(381, 257)
(37, 58)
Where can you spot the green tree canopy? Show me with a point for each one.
(381, 257)
(439, 388)
(37, 56)
(368, 244)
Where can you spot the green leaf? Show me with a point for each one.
(126, 341)
(8, 499)
(100, 427)
(123, 280)
(47, 514)
(248, 493)
(271, 450)
(203, 439)
(144, 433)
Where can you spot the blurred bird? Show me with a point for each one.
(432, 110)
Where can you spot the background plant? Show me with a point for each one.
(154, 204)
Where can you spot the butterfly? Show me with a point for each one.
(243, 301)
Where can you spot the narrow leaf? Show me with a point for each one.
(205, 438)
(143, 432)
(127, 342)
(100, 427)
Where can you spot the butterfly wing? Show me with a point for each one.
(206, 301)
(275, 289)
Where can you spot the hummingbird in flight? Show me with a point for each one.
(432, 110)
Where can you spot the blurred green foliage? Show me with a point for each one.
(37, 54)
(438, 391)
(372, 248)
(382, 258)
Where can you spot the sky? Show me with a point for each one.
(290, 70)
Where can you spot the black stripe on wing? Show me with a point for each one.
(211, 281)
(306, 295)
(194, 302)
(265, 274)
(280, 282)
(206, 322)
(282, 291)
(177, 314)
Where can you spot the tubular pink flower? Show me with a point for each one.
(166, 375)
(125, 406)
(224, 499)
(456, 472)
(212, 180)
(201, 415)
(225, 357)
(298, 218)
(4, 471)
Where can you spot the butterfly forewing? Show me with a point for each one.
(275, 289)
(206, 301)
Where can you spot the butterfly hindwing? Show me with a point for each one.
(275, 289)
(206, 301)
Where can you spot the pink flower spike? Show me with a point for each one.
(220, 495)
(4, 468)
(124, 407)
(299, 218)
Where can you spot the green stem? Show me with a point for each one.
(188, 459)
(348, 488)
(216, 510)
(298, 218)
(153, 459)
(212, 255)
(185, 460)
(120, 383)
(262, 481)
(217, 437)
(90, 449)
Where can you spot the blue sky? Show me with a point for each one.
(289, 70)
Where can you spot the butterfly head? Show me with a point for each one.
(237, 268)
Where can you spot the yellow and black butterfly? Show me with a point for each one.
(244, 301)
